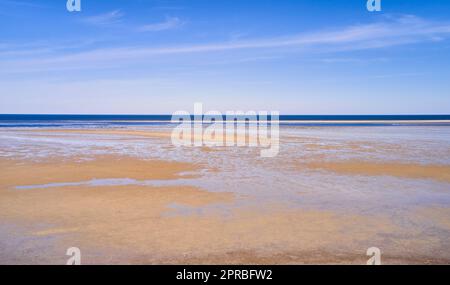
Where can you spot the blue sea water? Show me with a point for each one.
(42, 121)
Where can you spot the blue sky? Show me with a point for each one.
(160, 56)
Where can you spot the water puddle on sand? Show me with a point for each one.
(108, 182)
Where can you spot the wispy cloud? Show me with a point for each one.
(386, 33)
(31, 48)
(405, 30)
(169, 24)
(112, 17)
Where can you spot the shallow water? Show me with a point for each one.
(280, 179)
(286, 179)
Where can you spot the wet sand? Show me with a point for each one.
(128, 225)
(61, 170)
(364, 168)
(188, 223)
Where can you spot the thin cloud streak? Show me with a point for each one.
(401, 31)
(112, 17)
(169, 24)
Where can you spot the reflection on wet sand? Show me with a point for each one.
(323, 199)
(401, 170)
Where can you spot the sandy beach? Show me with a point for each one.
(127, 196)
(170, 132)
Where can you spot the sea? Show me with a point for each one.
(98, 121)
